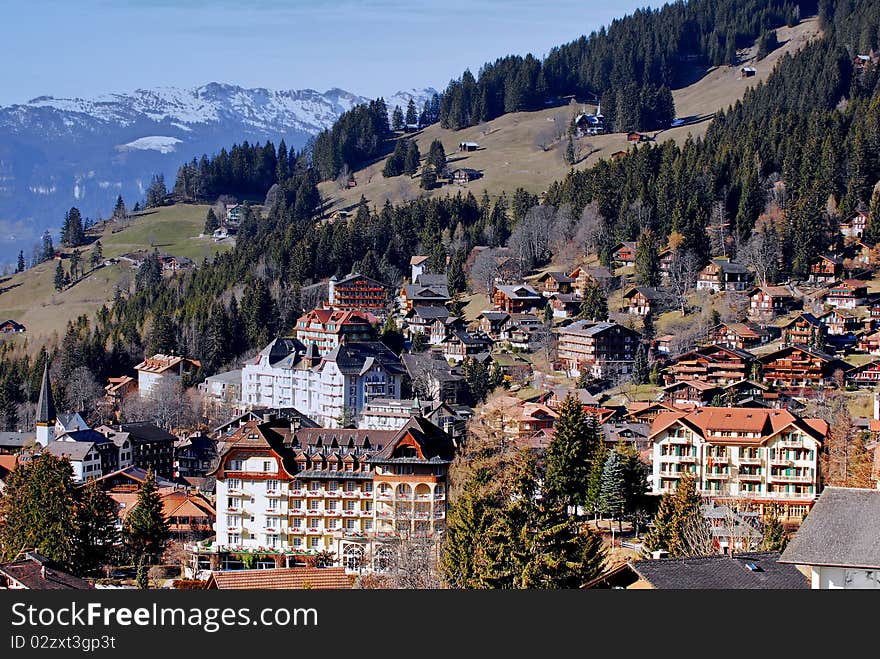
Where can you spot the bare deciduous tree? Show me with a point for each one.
(82, 388)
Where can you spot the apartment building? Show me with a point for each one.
(328, 328)
(765, 456)
(601, 349)
(294, 491)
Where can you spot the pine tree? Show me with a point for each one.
(612, 494)
(145, 529)
(594, 479)
(96, 532)
(641, 371)
(59, 277)
(412, 158)
(570, 153)
(411, 116)
(119, 212)
(97, 254)
(569, 454)
(437, 157)
(429, 178)
(37, 509)
(397, 119)
(75, 261)
(594, 304)
(467, 522)
(211, 223)
(162, 337)
(21, 265)
(647, 263)
(48, 249)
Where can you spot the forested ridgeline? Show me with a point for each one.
(805, 146)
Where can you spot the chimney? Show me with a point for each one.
(268, 417)
(659, 553)
(43, 571)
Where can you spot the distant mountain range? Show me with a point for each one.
(59, 152)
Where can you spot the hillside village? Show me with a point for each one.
(662, 389)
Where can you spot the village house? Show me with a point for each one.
(190, 515)
(417, 265)
(11, 327)
(855, 226)
(748, 72)
(327, 328)
(714, 364)
(420, 320)
(428, 290)
(866, 375)
(315, 489)
(84, 457)
(554, 282)
(805, 329)
(799, 366)
(490, 322)
(765, 457)
(300, 577)
(115, 452)
(152, 447)
(564, 305)
(391, 413)
(839, 322)
(600, 349)
(461, 344)
(643, 300)
(515, 367)
(847, 294)
(837, 542)
(432, 378)
(624, 253)
(468, 146)
(464, 175)
(690, 393)
(519, 298)
(355, 292)
(628, 432)
(826, 269)
(599, 274)
(640, 411)
(742, 336)
(163, 368)
(724, 275)
(32, 571)
(117, 389)
(590, 124)
(870, 343)
(194, 456)
(767, 302)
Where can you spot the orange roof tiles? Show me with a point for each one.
(294, 578)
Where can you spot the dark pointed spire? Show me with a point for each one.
(46, 404)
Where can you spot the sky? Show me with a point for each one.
(85, 48)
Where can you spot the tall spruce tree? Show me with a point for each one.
(613, 491)
(641, 371)
(59, 276)
(647, 260)
(145, 529)
(97, 536)
(21, 264)
(568, 456)
(37, 509)
(594, 303)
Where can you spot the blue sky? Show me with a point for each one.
(370, 47)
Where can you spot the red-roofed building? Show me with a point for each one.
(292, 578)
(327, 328)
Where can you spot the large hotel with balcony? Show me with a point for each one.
(284, 492)
(764, 456)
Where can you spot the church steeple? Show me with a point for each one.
(46, 414)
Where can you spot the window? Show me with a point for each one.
(273, 504)
(313, 504)
(234, 538)
(333, 485)
(272, 485)
(314, 543)
(297, 542)
(268, 465)
(235, 465)
(331, 504)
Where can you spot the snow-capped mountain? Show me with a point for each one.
(58, 152)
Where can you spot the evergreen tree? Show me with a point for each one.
(20, 267)
(647, 264)
(72, 232)
(594, 479)
(37, 509)
(59, 277)
(156, 192)
(48, 249)
(119, 211)
(145, 529)
(437, 157)
(412, 158)
(871, 234)
(775, 536)
(96, 532)
(397, 119)
(75, 262)
(162, 338)
(429, 178)
(470, 516)
(612, 493)
(411, 116)
(594, 304)
(211, 223)
(570, 153)
(96, 256)
(569, 454)
(641, 371)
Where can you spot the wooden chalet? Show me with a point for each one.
(11, 327)
(645, 411)
(714, 364)
(847, 294)
(799, 366)
(866, 375)
(840, 322)
(855, 226)
(642, 300)
(554, 282)
(724, 275)
(826, 269)
(519, 298)
(690, 393)
(585, 275)
(767, 302)
(805, 329)
(461, 344)
(741, 336)
(491, 322)
(464, 175)
(565, 305)
(624, 253)
(870, 343)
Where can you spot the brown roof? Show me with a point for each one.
(764, 422)
(293, 578)
(36, 572)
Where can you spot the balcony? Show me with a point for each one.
(297, 530)
(314, 513)
(272, 530)
(423, 497)
(781, 478)
(297, 493)
(439, 496)
(799, 496)
(385, 514)
(275, 494)
(422, 515)
(314, 493)
(233, 510)
(677, 440)
(349, 513)
(687, 459)
(366, 513)
(350, 494)
(331, 513)
(717, 476)
(332, 494)
(313, 531)
(296, 512)
(781, 462)
(276, 512)
(385, 496)
(790, 443)
(751, 461)
(751, 477)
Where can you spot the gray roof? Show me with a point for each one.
(46, 404)
(228, 376)
(360, 357)
(721, 572)
(73, 450)
(520, 292)
(424, 292)
(17, 440)
(283, 352)
(429, 313)
(431, 279)
(842, 529)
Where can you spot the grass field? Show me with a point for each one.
(31, 299)
(510, 157)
